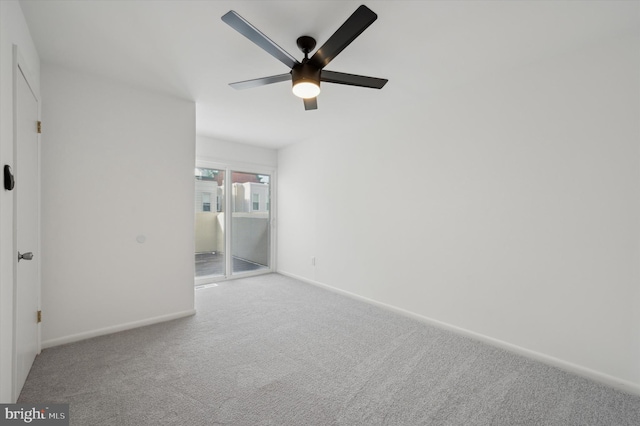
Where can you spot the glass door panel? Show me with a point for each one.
(209, 222)
(250, 222)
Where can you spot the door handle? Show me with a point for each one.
(26, 256)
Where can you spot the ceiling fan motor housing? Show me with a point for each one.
(305, 73)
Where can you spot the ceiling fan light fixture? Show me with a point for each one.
(306, 81)
(306, 89)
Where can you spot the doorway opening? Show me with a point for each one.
(232, 223)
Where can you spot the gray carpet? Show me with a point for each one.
(270, 350)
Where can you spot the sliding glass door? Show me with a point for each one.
(210, 222)
(250, 221)
(233, 233)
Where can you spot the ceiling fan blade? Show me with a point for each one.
(352, 28)
(257, 82)
(352, 79)
(243, 26)
(311, 103)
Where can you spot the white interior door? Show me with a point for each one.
(27, 288)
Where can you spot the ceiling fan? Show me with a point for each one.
(307, 75)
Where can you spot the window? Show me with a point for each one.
(255, 199)
(206, 202)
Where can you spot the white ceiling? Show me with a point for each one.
(424, 49)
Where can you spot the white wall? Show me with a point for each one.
(117, 163)
(298, 205)
(526, 228)
(230, 152)
(13, 30)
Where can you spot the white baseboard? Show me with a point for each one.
(579, 370)
(114, 329)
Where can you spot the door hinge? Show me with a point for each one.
(39, 126)
(39, 317)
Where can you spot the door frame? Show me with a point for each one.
(20, 68)
(229, 167)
